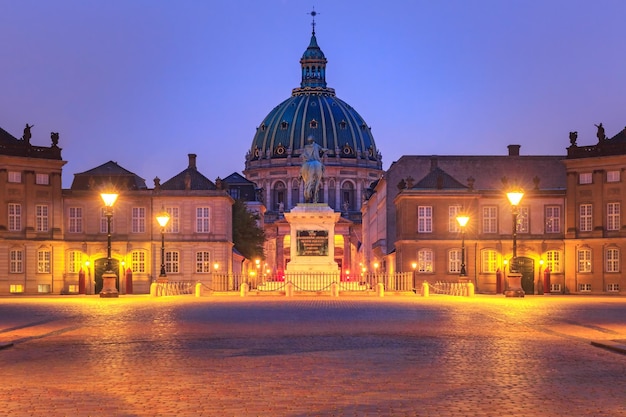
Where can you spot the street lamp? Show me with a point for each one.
(108, 278)
(462, 219)
(414, 266)
(515, 278)
(163, 218)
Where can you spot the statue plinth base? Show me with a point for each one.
(514, 287)
(109, 290)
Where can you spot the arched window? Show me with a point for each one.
(348, 196)
(278, 195)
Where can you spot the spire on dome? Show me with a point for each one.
(313, 62)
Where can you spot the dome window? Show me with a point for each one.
(343, 125)
(363, 126)
(284, 125)
(313, 124)
(347, 149)
(280, 149)
(262, 127)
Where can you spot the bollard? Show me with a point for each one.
(425, 289)
(334, 290)
(470, 289)
(289, 289)
(153, 289)
(198, 291)
(243, 290)
(380, 289)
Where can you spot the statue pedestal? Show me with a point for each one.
(514, 287)
(109, 290)
(312, 239)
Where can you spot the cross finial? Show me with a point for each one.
(313, 13)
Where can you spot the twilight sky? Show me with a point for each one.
(145, 82)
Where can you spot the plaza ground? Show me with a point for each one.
(313, 356)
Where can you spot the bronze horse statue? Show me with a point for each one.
(312, 170)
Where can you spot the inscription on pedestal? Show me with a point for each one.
(312, 242)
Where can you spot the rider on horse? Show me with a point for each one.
(312, 170)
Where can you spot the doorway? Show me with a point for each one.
(527, 269)
(100, 266)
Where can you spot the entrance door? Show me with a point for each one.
(100, 266)
(527, 269)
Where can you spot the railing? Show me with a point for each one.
(450, 288)
(174, 288)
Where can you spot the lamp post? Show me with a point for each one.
(108, 278)
(163, 218)
(515, 278)
(414, 266)
(462, 219)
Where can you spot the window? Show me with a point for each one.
(453, 224)
(174, 224)
(202, 220)
(612, 176)
(172, 262)
(138, 261)
(489, 261)
(585, 217)
(612, 287)
(72, 289)
(15, 176)
(584, 287)
(104, 220)
(76, 219)
(553, 219)
(490, 219)
(41, 217)
(203, 262)
(522, 219)
(612, 216)
(43, 261)
(15, 217)
(424, 219)
(16, 288)
(43, 288)
(16, 258)
(612, 260)
(584, 260)
(425, 260)
(555, 287)
(42, 179)
(454, 261)
(585, 178)
(553, 261)
(138, 220)
(74, 263)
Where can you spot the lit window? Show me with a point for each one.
(16, 264)
(138, 261)
(174, 224)
(489, 261)
(490, 219)
(43, 288)
(42, 179)
(454, 260)
(74, 263)
(425, 260)
(41, 217)
(16, 288)
(612, 260)
(15, 217)
(553, 219)
(553, 261)
(612, 216)
(172, 262)
(424, 219)
(76, 219)
(612, 176)
(203, 262)
(522, 219)
(202, 220)
(585, 217)
(15, 176)
(138, 219)
(585, 178)
(43, 261)
(584, 260)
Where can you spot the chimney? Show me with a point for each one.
(433, 163)
(192, 160)
(514, 150)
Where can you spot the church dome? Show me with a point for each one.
(313, 110)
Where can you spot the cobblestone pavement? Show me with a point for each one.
(312, 356)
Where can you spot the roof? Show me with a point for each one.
(107, 175)
(438, 179)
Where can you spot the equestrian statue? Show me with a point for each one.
(312, 170)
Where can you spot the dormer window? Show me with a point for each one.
(343, 125)
(262, 127)
(363, 126)
(284, 125)
(313, 124)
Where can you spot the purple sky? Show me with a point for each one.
(145, 82)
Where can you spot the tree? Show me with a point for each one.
(248, 236)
